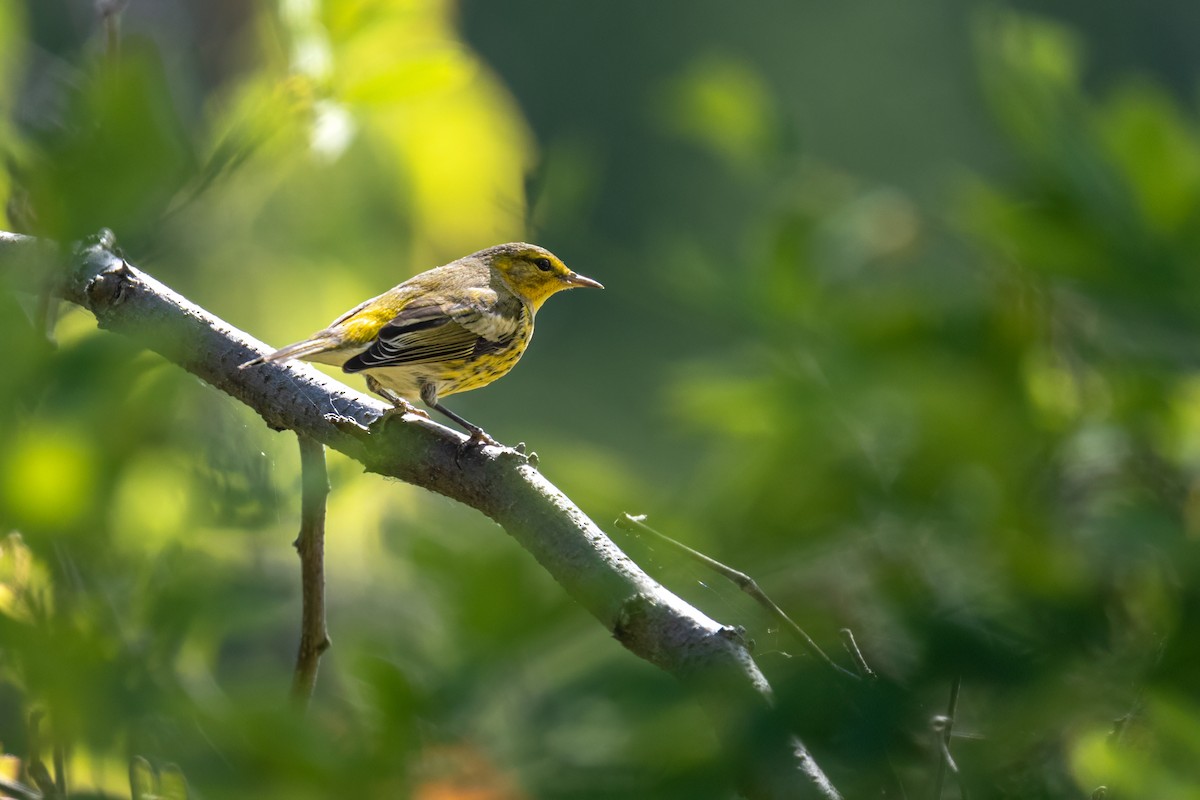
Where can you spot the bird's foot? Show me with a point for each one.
(397, 412)
(345, 423)
(479, 438)
(401, 407)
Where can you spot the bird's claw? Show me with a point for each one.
(478, 438)
(344, 422)
(404, 407)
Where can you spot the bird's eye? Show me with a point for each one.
(543, 264)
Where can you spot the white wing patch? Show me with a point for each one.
(489, 325)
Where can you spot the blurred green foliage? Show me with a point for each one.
(901, 319)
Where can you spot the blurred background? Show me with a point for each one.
(900, 318)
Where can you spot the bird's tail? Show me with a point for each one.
(309, 347)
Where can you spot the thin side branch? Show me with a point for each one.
(944, 728)
(860, 661)
(744, 582)
(310, 545)
(497, 481)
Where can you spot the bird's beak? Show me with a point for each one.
(575, 279)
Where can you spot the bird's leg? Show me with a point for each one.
(478, 435)
(400, 406)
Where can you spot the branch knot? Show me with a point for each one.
(108, 287)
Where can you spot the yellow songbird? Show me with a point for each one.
(451, 329)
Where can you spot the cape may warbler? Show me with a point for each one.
(451, 329)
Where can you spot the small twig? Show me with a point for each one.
(743, 581)
(860, 663)
(943, 726)
(310, 545)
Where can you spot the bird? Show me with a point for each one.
(449, 329)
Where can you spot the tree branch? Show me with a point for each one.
(707, 657)
(310, 545)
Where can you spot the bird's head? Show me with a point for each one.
(532, 272)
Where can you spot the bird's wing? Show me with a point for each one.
(427, 332)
